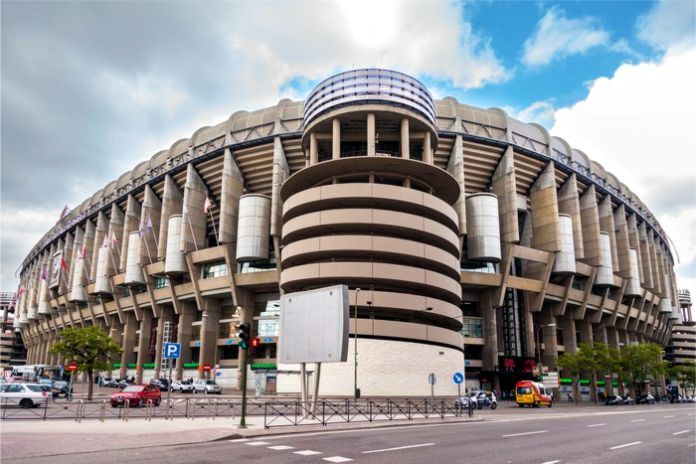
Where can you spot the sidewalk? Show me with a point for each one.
(19, 437)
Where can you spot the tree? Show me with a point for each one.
(684, 375)
(90, 347)
(570, 363)
(590, 358)
(641, 363)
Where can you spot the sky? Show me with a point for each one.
(90, 89)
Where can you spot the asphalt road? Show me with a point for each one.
(661, 434)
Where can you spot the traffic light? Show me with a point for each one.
(255, 342)
(244, 335)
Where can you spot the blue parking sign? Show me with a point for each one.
(171, 350)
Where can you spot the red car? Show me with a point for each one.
(137, 395)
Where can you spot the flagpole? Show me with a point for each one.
(147, 248)
(217, 240)
(149, 226)
(193, 237)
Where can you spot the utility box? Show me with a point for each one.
(314, 326)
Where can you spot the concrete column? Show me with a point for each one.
(115, 236)
(115, 332)
(194, 219)
(606, 224)
(590, 227)
(504, 187)
(405, 139)
(151, 213)
(529, 335)
(184, 337)
(569, 203)
(599, 333)
(336, 139)
(130, 224)
(546, 229)
(567, 324)
(549, 355)
(455, 166)
(371, 134)
(313, 149)
(143, 344)
(166, 315)
(128, 343)
(584, 329)
(232, 188)
(209, 335)
(172, 203)
(489, 357)
(427, 149)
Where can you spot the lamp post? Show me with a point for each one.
(538, 345)
(461, 318)
(356, 393)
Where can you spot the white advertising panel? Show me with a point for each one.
(314, 326)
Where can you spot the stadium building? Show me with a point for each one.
(474, 239)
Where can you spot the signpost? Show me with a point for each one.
(170, 351)
(206, 367)
(432, 380)
(458, 378)
(72, 367)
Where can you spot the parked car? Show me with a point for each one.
(207, 387)
(136, 395)
(646, 398)
(463, 402)
(162, 384)
(181, 386)
(484, 399)
(532, 394)
(613, 400)
(26, 395)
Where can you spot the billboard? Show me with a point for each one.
(314, 326)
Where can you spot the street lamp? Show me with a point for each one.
(355, 355)
(538, 345)
(461, 316)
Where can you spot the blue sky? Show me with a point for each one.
(90, 89)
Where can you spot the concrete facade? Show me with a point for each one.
(369, 190)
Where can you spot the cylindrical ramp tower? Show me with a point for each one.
(565, 259)
(134, 273)
(254, 228)
(483, 227)
(175, 262)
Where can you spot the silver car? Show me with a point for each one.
(207, 387)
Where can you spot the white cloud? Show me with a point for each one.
(557, 36)
(540, 112)
(639, 125)
(423, 38)
(669, 25)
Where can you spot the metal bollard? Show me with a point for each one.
(148, 410)
(102, 411)
(79, 410)
(126, 410)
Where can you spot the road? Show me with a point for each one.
(656, 434)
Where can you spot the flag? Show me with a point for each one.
(19, 293)
(84, 251)
(140, 231)
(207, 204)
(63, 264)
(149, 224)
(64, 212)
(44, 274)
(113, 238)
(105, 242)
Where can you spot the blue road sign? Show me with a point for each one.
(171, 350)
(458, 378)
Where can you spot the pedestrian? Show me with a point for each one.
(570, 398)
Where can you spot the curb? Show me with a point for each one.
(290, 429)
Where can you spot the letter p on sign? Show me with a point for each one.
(171, 350)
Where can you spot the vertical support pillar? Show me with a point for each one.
(427, 148)
(143, 343)
(549, 355)
(115, 331)
(184, 337)
(313, 149)
(405, 139)
(489, 357)
(567, 324)
(209, 335)
(371, 135)
(336, 139)
(128, 342)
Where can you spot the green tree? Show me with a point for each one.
(570, 363)
(90, 347)
(684, 375)
(589, 357)
(641, 363)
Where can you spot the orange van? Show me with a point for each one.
(532, 394)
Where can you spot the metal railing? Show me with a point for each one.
(284, 413)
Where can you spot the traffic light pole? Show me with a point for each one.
(242, 420)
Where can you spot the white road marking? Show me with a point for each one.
(637, 420)
(398, 448)
(307, 452)
(681, 431)
(597, 425)
(239, 440)
(552, 462)
(280, 447)
(667, 417)
(337, 459)
(524, 433)
(626, 445)
(257, 443)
